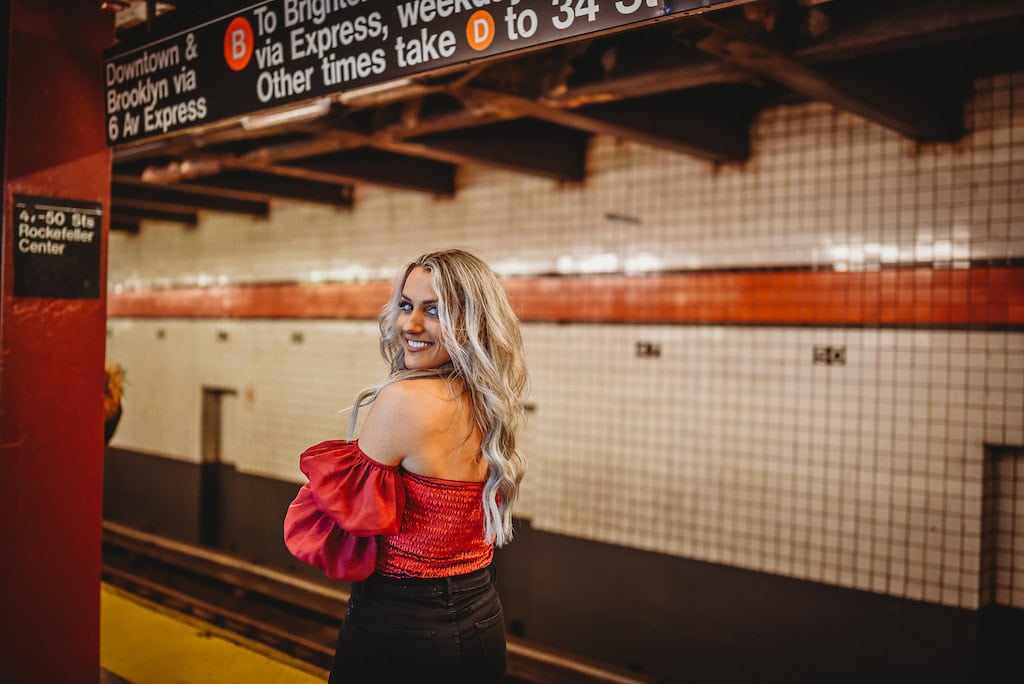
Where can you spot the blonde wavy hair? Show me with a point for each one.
(481, 333)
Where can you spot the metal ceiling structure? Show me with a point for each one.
(692, 85)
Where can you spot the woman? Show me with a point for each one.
(411, 511)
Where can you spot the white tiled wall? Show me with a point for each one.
(287, 393)
(731, 446)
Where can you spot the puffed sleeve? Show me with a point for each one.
(350, 499)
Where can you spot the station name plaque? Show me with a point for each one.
(277, 52)
(56, 247)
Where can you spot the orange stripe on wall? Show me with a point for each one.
(907, 296)
(333, 300)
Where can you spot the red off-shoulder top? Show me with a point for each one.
(356, 515)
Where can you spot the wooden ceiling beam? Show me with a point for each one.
(208, 164)
(128, 188)
(875, 27)
(530, 147)
(651, 80)
(712, 123)
(272, 185)
(275, 154)
(914, 108)
(694, 127)
(410, 119)
(180, 145)
(133, 211)
(412, 135)
(381, 167)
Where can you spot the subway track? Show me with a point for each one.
(295, 616)
(259, 607)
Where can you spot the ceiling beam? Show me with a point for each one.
(133, 211)
(413, 123)
(652, 79)
(711, 123)
(128, 188)
(532, 147)
(473, 136)
(874, 27)
(269, 155)
(272, 185)
(914, 108)
(690, 123)
(381, 167)
(210, 164)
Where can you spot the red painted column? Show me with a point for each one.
(51, 368)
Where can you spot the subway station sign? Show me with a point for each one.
(56, 247)
(277, 52)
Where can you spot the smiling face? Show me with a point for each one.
(419, 324)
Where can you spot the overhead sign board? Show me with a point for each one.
(277, 52)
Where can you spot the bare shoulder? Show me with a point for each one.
(401, 417)
(412, 399)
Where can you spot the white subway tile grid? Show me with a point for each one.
(287, 395)
(847, 494)
(831, 474)
(160, 414)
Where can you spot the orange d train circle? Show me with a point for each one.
(238, 43)
(480, 30)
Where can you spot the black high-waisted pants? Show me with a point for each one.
(448, 629)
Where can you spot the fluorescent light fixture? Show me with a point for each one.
(374, 91)
(274, 117)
